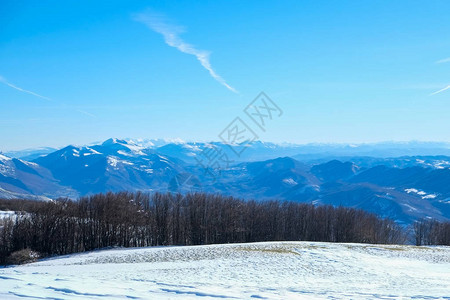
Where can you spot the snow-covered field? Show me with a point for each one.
(288, 270)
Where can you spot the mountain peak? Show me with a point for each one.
(112, 141)
(121, 147)
(4, 157)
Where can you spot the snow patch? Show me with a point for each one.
(7, 214)
(423, 194)
(124, 153)
(90, 151)
(112, 161)
(272, 270)
(290, 181)
(4, 158)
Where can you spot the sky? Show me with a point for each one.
(75, 72)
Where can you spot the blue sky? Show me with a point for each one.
(74, 72)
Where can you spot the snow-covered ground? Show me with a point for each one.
(6, 214)
(288, 270)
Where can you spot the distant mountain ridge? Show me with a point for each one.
(266, 150)
(404, 188)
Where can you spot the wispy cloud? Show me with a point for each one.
(443, 61)
(86, 113)
(441, 90)
(171, 34)
(4, 81)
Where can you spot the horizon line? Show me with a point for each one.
(181, 141)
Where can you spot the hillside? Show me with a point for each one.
(273, 270)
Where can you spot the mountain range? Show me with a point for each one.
(412, 185)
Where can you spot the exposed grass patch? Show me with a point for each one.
(390, 248)
(375, 247)
(313, 247)
(269, 250)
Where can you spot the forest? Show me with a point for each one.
(138, 219)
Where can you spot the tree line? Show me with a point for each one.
(138, 219)
(431, 232)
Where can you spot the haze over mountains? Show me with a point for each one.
(403, 181)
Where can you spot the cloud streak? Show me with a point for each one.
(441, 90)
(86, 113)
(443, 61)
(171, 35)
(4, 81)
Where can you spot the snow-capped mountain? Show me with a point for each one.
(403, 188)
(391, 153)
(115, 165)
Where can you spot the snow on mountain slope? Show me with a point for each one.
(5, 194)
(23, 179)
(5, 165)
(272, 270)
(115, 165)
(120, 146)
